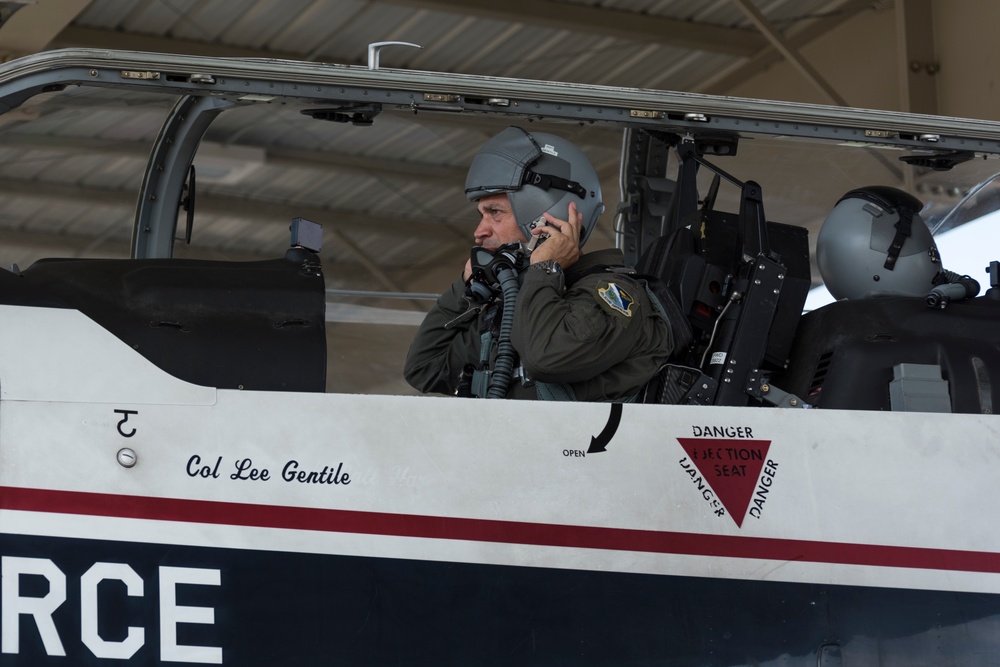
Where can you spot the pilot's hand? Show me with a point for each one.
(563, 244)
(467, 273)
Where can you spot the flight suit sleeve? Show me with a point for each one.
(571, 335)
(438, 355)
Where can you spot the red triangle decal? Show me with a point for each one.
(731, 467)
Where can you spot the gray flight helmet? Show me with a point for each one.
(874, 242)
(540, 173)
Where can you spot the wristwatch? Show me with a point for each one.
(548, 266)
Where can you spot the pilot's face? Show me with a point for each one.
(497, 226)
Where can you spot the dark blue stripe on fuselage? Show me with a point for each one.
(276, 608)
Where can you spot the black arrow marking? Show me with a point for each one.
(600, 442)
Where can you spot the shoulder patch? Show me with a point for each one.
(619, 300)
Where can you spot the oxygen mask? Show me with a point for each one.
(487, 265)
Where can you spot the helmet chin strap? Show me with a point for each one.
(904, 228)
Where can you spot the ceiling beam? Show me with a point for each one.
(221, 205)
(83, 37)
(385, 168)
(284, 158)
(759, 62)
(918, 65)
(32, 28)
(789, 52)
(632, 26)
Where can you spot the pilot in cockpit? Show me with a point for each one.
(532, 315)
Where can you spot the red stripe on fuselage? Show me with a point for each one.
(485, 530)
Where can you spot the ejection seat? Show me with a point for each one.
(700, 272)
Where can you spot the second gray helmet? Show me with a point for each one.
(875, 242)
(540, 173)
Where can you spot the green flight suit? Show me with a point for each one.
(592, 329)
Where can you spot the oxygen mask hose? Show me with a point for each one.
(503, 367)
(953, 287)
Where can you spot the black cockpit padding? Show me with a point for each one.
(695, 267)
(790, 245)
(250, 325)
(844, 352)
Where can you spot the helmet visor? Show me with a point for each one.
(500, 164)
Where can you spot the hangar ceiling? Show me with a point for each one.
(395, 219)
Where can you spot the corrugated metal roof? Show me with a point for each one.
(455, 38)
